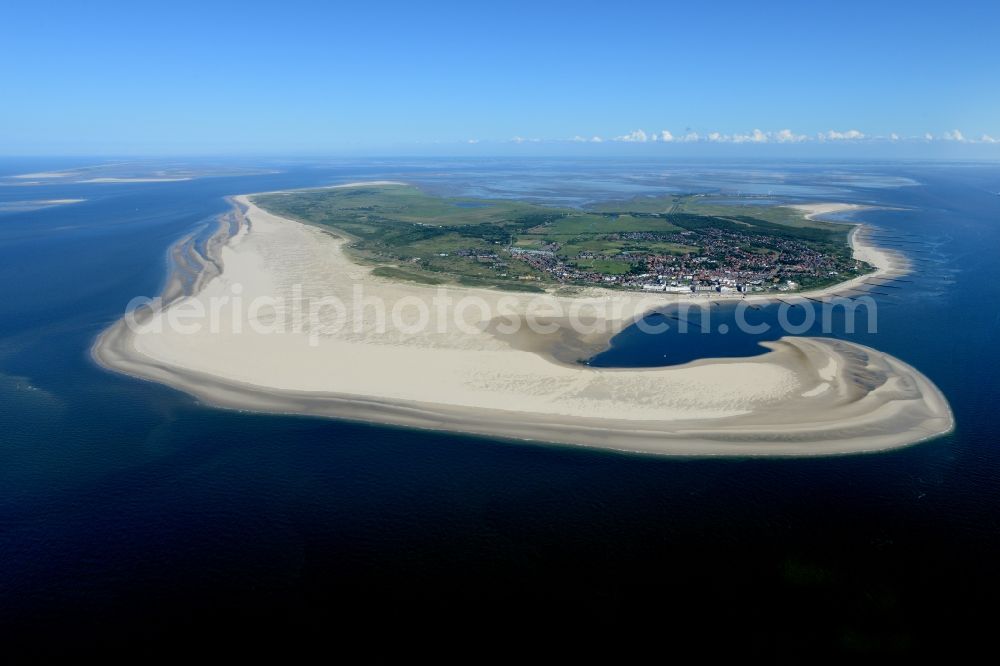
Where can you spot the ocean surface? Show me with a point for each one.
(132, 515)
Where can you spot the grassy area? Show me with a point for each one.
(718, 206)
(782, 215)
(604, 266)
(411, 235)
(396, 273)
(588, 223)
(642, 204)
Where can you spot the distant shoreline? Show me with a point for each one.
(801, 398)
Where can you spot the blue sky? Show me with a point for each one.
(320, 77)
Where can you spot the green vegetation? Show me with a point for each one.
(718, 206)
(402, 274)
(604, 266)
(411, 235)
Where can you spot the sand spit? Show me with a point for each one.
(35, 204)
(498, 364)
(812, 210)
(135, 180)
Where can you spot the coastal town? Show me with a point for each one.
(715, 261)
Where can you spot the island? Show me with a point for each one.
(676, 244)
(339, 302)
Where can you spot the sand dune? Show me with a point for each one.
(495, 363)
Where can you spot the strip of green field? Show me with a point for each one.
(718, 206)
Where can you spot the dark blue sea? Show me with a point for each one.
(131, 515)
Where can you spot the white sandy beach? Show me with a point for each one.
(887, 263)
(472, 373)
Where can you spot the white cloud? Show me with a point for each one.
(757, 136)
(833, 135)
(719, 137)
(635, 136)
(787, 136)
(473, 141)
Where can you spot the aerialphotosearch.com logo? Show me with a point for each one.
(439, 312)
